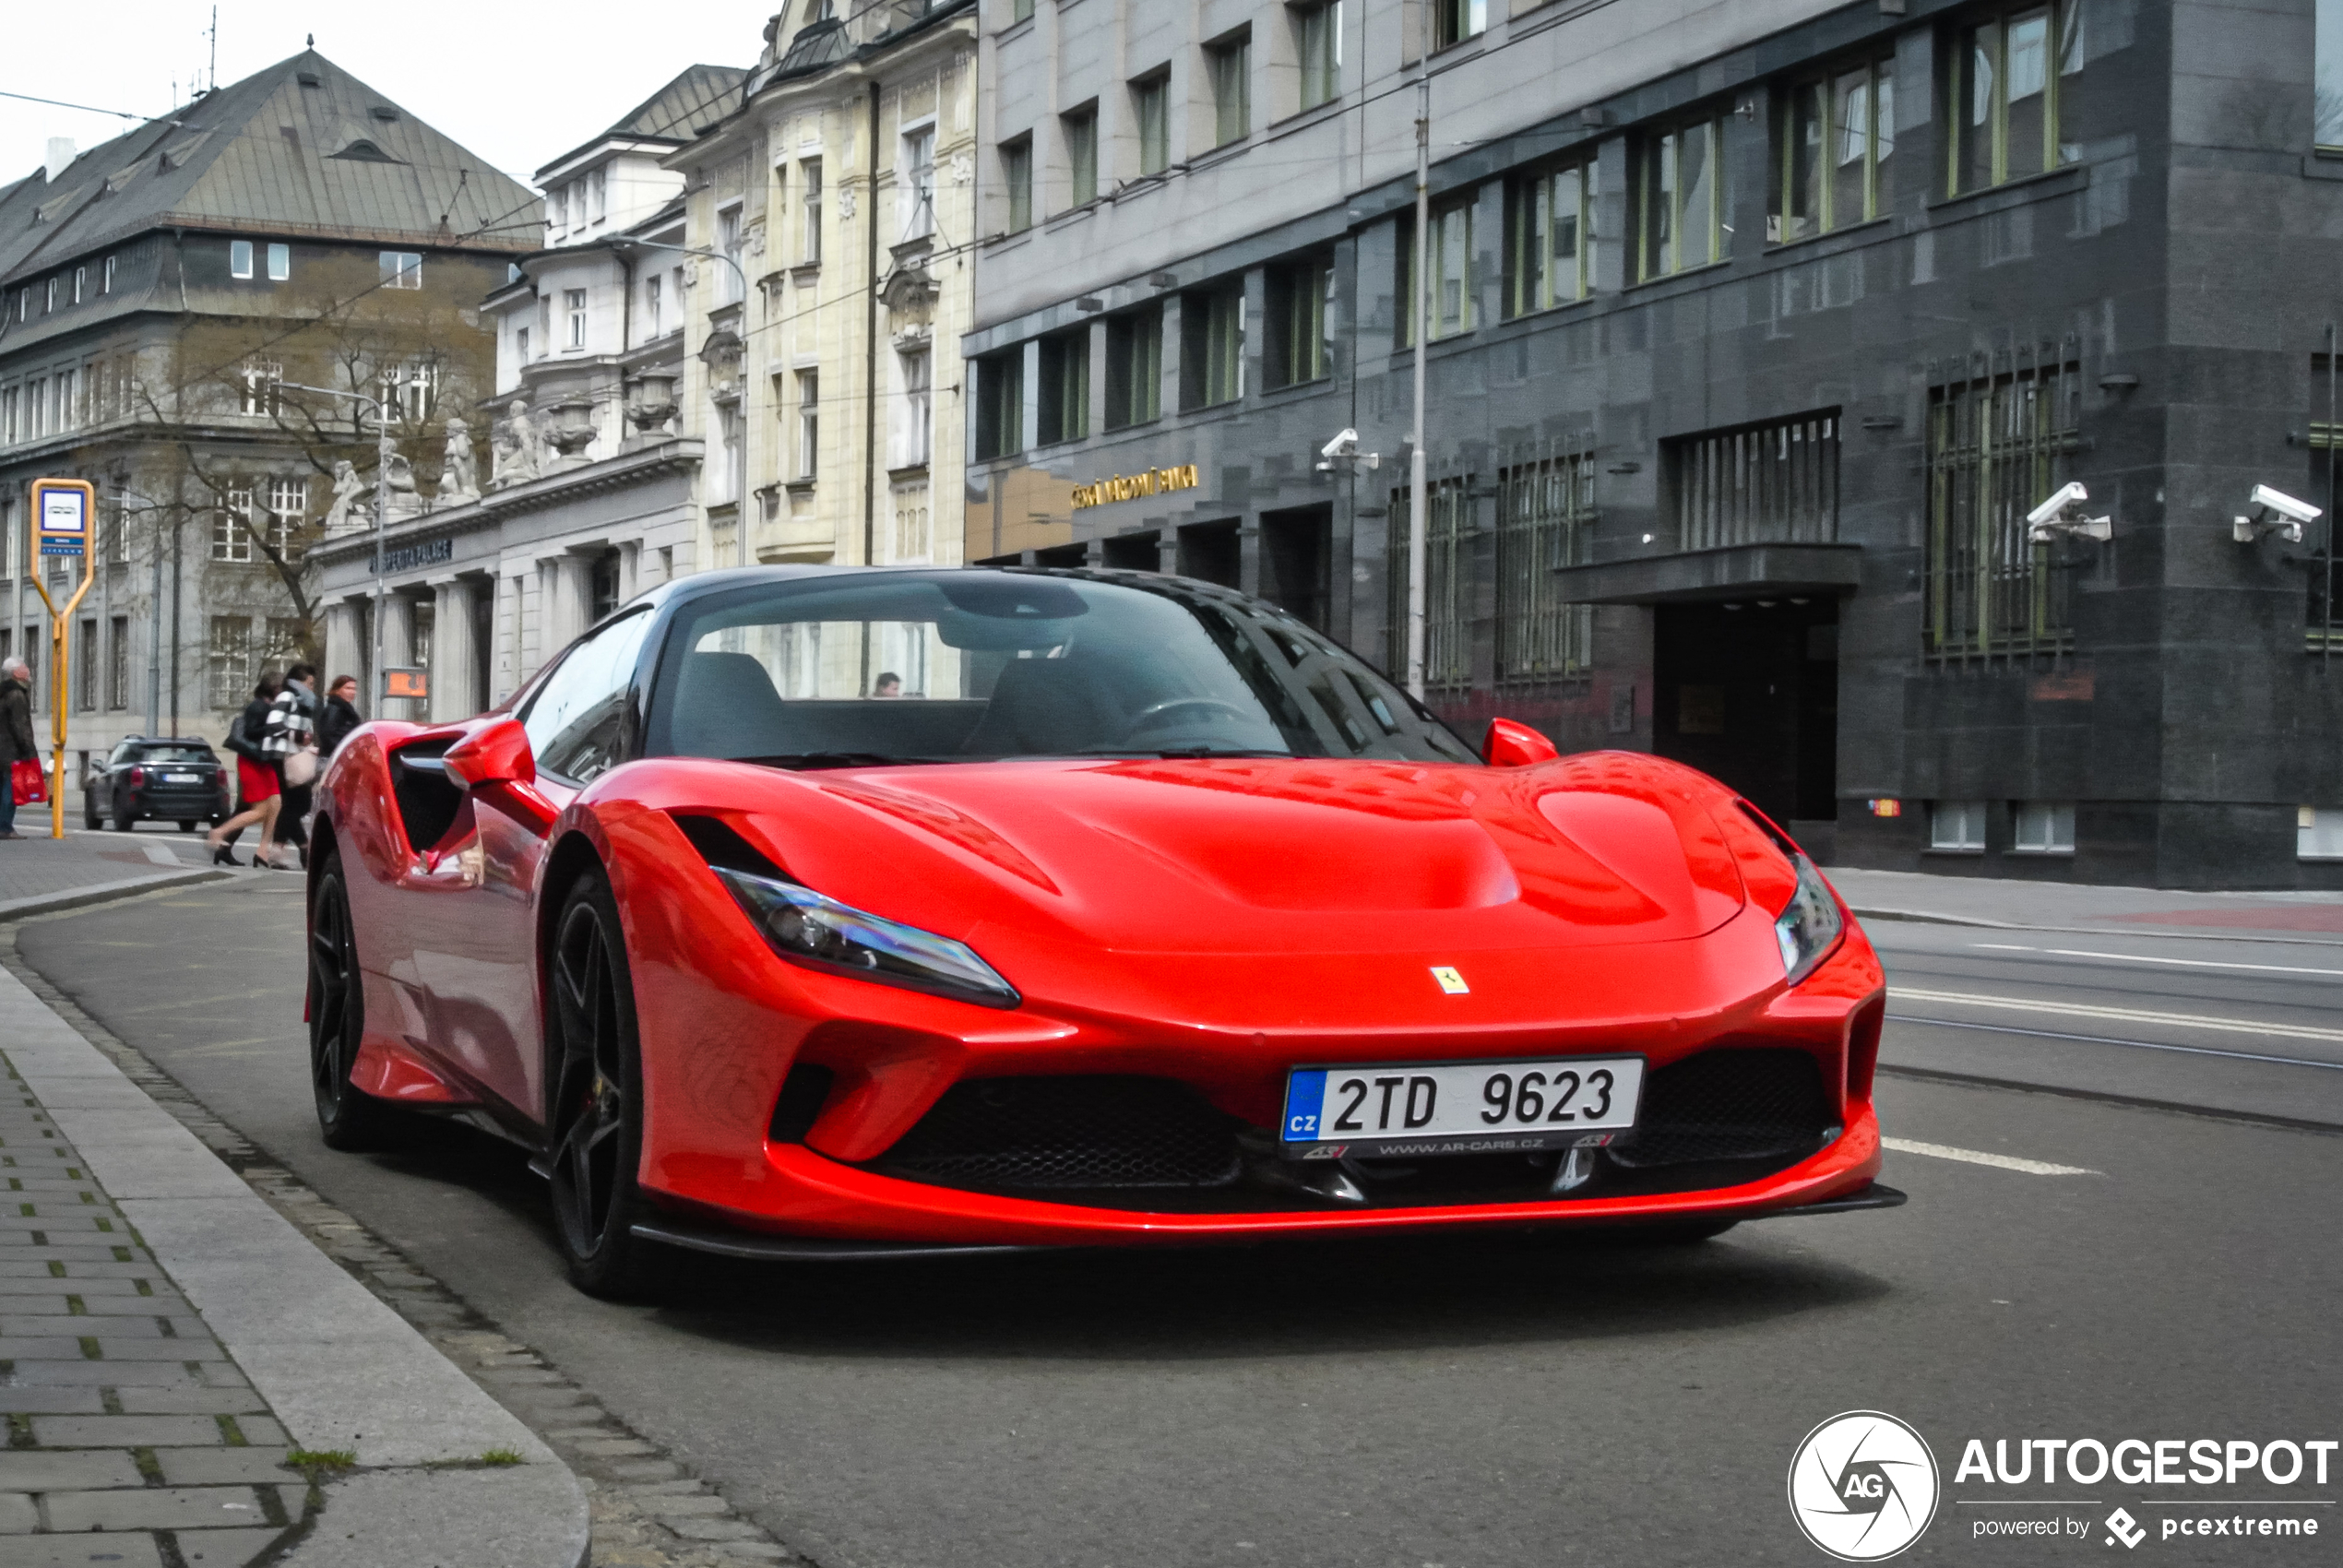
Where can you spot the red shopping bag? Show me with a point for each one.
(25, 779)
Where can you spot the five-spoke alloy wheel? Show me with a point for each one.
(594, 1126)
(348, 1117)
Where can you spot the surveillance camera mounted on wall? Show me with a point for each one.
(1343, 451)
(2063, 513)
(2275, 512)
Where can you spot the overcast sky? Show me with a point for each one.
(517, 84)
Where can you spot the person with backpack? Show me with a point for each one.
(259, 794)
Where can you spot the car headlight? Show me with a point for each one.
(1809, 928)
(807, 928)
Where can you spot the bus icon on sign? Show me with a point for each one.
(61, 512)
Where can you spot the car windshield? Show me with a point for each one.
(167, 755)
(963, 665)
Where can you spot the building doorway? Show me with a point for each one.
(1748, 692)
(1296, 546)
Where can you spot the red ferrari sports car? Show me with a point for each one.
(824, 913)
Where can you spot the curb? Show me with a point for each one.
(338, 1366)
(103, 892)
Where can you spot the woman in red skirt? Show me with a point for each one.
(257, 789)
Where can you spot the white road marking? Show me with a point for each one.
(163, 857)
(2139, 958)
(1979, 1157)
(2102, 1039)
(2123, 1014)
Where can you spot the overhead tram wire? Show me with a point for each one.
(84, 108)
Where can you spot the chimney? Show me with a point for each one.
(60, 157)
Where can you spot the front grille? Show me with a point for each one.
(1061, 1133)
(1728, 1104)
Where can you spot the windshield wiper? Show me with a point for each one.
(834, 760)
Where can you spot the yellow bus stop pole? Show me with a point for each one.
(60, 646)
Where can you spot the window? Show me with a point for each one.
(1773, 483)
(914, 369)
(9, 418)
(2042, 827)
(1837, 135)
(240, 258)
(1066, 387)
(1994, 453)
(808, 423)
(2329, 96)
(1135, 367)
(1452, 300)
(402, 269)
(574, 721)
(118, 663)
(1229, 65)
(81, 283)
(1017, 183)
(105, 277)
(597, 192)
(557, 208)
(232, 528)
(1545, 521)
(728, 245)
(1550, 239)
(257, 391)
(280, 263)
(1956, 826)
(521, 344)
(724, 475)
(574, 300)
(1683, 199)
(809, 250)
(2318, 830)
(651, 305)
(1000, 408)
(1447, 641)
(917, 187)
(1453, 21)
(230, 672)
(36, 398)
(1212, 343)
(412, 390)
(1151, 112)
(85, 667)
(1020, 11)
(1317, 46)
(1080, 130)
(287, 515)
(1297, 347)
(2008, 77)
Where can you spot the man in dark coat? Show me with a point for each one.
(17, 743)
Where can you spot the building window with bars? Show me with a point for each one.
(1773, 483)
(1683, 199)
(1545, 521)
(1838, 148)
(1448, 579)
(2009, 75)
(232, 528)
(230, 677)
(1996, 451)
(1549, 239)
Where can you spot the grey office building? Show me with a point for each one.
(1757, 332)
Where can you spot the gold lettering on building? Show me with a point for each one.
(1131, 487)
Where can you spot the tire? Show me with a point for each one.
(189, 826)
(594, 1109)
(123, 820)
(89, 817)
(348, 1118)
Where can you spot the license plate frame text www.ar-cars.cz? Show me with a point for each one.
(1431, 1108)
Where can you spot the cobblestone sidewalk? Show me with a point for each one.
(133, 1439)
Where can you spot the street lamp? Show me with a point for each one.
(380, 679)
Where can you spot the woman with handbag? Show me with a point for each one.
(20, 754)
(292, 739)
(258, 796)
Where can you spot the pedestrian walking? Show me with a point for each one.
(258, 795)
(17, 743)
(292, 743)
(341, 716)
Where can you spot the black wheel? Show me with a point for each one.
(124, 819)
(89, 817)
(594, 1122)
(189, 826)
(349, 1118)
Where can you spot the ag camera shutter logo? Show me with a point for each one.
(1863, 1486)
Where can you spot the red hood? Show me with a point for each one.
(1251, 856)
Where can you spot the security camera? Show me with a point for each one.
(1343, 450)
(2265, 502)
(1343, 446)
(2063, 513)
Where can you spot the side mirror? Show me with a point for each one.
(494, 764)
(1511, 745)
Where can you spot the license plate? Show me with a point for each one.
(1459, 1107)
(181, 779)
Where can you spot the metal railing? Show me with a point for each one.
(1545, 521)
(1447, 599)
(1773, 484)
(1996, 447)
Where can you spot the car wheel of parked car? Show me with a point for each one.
(594, 1131)
(89, 818)
(189, 826)
(349, 1118)
(124, 821)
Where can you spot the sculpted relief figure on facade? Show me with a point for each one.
(348, 487)
(459, 475)
(518, 447)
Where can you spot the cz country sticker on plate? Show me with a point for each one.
(1459, 1107)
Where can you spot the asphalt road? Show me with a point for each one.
(1465, 1403)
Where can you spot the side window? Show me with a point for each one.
(573, 722)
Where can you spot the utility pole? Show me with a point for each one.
(1420, 307)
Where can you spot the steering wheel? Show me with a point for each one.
(1151, 717)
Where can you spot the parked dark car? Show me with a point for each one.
(180, 781)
